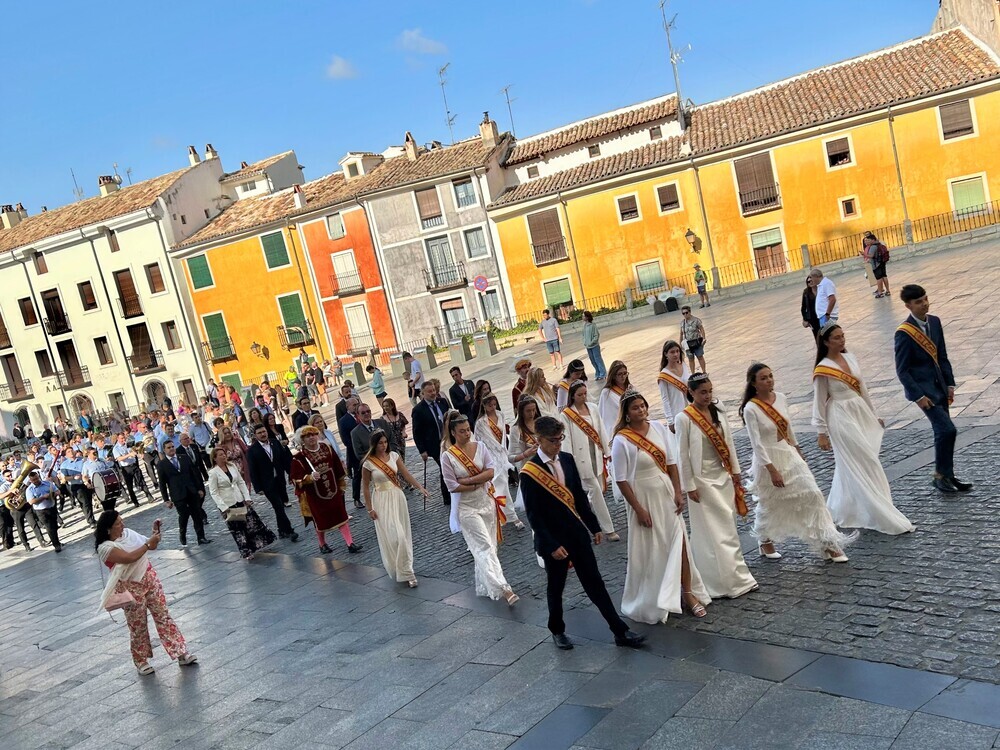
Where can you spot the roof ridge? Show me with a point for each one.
(611, 113)
(990, 52)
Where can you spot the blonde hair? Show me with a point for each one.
(536, 385)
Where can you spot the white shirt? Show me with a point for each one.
(416, 375)
(553, 465)
(824, 290)
(129, 541)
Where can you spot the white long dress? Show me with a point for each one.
(501, 463)
(859, 496)
(798, 509)
(517, 445)
(562, 394)
(475, 515)
(674, 400)
(392, 527)
(589, 459)
(715, 543)
(608, 405)
(653, 576)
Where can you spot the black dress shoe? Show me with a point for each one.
(960, 485)
(325, 549)
(630, 639)
(943, 484)
(294, 537)
(204, 541)
(27, 547)
(58, 548)
(562, 641)
(354, 548)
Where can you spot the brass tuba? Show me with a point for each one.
(15, 498)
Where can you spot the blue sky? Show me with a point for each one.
(89, 84)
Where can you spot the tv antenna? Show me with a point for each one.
(675, 58)
(510, 112)
(117, 177)
(77, 190)
(447, 112)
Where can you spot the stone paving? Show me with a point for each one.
(898, 648)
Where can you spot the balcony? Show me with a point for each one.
(57, 326)
(218, 350)
(346, 284)
(360, 344)
(760, 200)
(299, 334)
(145, 362)
(431, 222)
(549, 252)
(76, 378)
(131, 307)
(444, 277)
(5, 339)
(444, 334)
(16, 391)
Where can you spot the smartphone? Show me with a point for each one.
(156, 526)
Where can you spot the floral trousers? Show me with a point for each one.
(149, 598)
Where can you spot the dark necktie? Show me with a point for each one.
(176, 463)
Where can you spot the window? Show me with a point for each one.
(275, 252)
(117, 402)
(594, 151)
(848, 207)
(628, 209)
(956, 120)
(456, 320)
(248, 186)
(475, 241)
(87, 298)
(207, 214)
(668, 198)
(429, 208)
(103, 350)
(547, 244)
(532, 172)
(968, 195)
(217, 336)
(838, 152)
(171, 336)
(352, 169)
(113, 241)
(44, 362)
(557, 293)
(201, 274)
(768, 252)
(335, 226)
(40, 265)
(155, 278)
(649, 276)
(655, 133)
(184, 219)
(4, 335)
(292, 314)
(757, 188)
(12, 374)
(465, 194)
(491, 305)
(28, 314)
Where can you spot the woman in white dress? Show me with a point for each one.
(536, 386)
(842, 411)
(672, 381)
(585, 441)
(381, 471)
(789, 502)
(608, 407)
(574, 372)
(468, 472)
(661, 577)
(710, 475)
(491, 430)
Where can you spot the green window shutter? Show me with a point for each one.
(217, 335)
(292, 316)
(558, 293)
(766, 239)
(968, 194)
(233, 380)
(275, 253)
(201, 274)
(649, 276)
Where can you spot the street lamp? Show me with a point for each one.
(692, 240)
(259, 351)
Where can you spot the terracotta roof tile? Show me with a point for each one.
(593, 128)
(922, 67)
(91, 211)
(651, 155)
(399, 170)
(258, 167)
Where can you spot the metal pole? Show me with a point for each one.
(305, 291)
(673, 63)
(572, 244)
(907, 226)
(708, 232)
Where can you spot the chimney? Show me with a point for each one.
(410, 146)
(193, 157)
(298, 196)
(488, 131)
(243, 165)
(21, 210)
(107, 184)
(9, 218)
(210, 153)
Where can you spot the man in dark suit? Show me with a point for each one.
(563, 529)
(346, 425)
(461, 393)
(181, 488)
(300, 417)
(200, 460)
(269, 461)
(427, 418)
(924, 370)
(361, 440)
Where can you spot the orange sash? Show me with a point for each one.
(671, 379)
(921, 338)
(528, 438)
(591, 433)
(389, 472)
(563, 384)
(643, 444)
(470, 466)
(617, 390)
(495, 429)
(838, 374)
(718, 442)
(549, 483)
(779, 421)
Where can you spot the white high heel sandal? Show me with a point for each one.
(768, 555)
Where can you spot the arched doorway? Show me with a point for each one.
(154, 392)
(21, 417)
(79, 402)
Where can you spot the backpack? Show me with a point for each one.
(881, 253)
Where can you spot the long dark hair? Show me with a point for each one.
(822, 350)
(481, 411)
(452, 418)
(667, 346)
(102, 532)
(522, 404)
(377, 435)
(577, 385)
(477, 397)
(750, 391)
(695, 382)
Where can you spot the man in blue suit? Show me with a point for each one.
(563, 525)
(924, 370)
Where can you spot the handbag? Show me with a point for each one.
(236, 514)
(119, 601)
(694, 343)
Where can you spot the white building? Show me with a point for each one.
(91, 312)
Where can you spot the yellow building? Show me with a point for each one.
(634, 198)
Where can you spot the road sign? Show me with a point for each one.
(480, 283)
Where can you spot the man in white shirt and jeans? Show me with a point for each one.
(827, 306)
(549, 330)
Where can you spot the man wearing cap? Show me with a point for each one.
(521, 367)
(701, 281)
(41, 496)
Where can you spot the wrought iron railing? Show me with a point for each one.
(131, 307)
(953, 222)
(432, 221)
(145, 361)
(57, 325)
(218, 350)
(359, 344)
(444, 334)
(762, 199)
(298, 334)
(445, 277)
(549, 252)
(76, 377)
(15, 391)
(347, 283)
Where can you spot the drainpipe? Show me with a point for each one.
(305, 291)
(498, 258)
(907, 224)
(704, 220)
(572, 244)
(107, 295)
(48, 343)
(393, 316)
